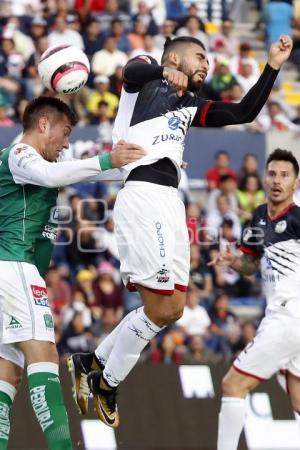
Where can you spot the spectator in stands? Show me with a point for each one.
(82, 250)
(32, 83)
(275, 119)
(61, 289)
(136, 36)
(227, 186)
(108, 294)
(225, 327)
(19, 109)
(63, 34)
(166, 352)
(144, 15)
(200, 274)
(249, 195)
(13, 62)
(85, 8)
(195, 319)
(149, 49)
(197, 353)
(248, 333)
(245, 52)
(249, 167)
(23, 43)
(246, 78)
(216, 217)
(175, 10)
(105, 61)
(196, 224)
(5, 120)
(84, 284)
(165, 30)
(194, 27)
(116, 81)
(105, 125)
(223, 80)
(221, 167)
(118, 32)
(231, 42)
(102, 93)
(277, 16)
(76, 337)
(93, 38)
(113, 11)
(38, 28)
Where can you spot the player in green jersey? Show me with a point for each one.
(29, 180)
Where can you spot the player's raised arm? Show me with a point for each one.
(215, 114)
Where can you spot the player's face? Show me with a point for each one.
(280, 182)
(194, 64)
(57, 137)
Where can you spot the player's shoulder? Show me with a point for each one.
(146, 59)
(294, 211)
(20, 152)
(260, 212)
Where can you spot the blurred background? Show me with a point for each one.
(221, 187)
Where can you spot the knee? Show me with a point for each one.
(166, 316)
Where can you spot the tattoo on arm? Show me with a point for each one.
(246, 264)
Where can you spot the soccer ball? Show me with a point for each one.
(64, 68)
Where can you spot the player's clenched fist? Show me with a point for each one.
(178, 80)
(124, 153)
(280, 51)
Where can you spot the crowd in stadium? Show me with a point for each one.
(84, 285)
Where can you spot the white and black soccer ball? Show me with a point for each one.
(64, 68)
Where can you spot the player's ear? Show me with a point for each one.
(43, 124)
(174, 59)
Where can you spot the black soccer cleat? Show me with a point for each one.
(80, 365)
(105, 400)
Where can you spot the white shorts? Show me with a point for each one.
(152, 237)
(275, 347)
(24, 310)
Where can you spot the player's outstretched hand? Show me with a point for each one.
(124, 153)
(280, 51)
(224, 258)
(176, 79)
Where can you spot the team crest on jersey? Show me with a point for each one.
(20, 149)
(280, 227)
(40, 295)
(174, 122)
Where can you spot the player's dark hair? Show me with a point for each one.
(173, 44)
(221, 152)
(44, 106)
(283, 155)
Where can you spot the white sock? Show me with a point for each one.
(131, 340)
(231, 422)
(105, 347)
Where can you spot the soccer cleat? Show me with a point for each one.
(79, 365)
(105, 400)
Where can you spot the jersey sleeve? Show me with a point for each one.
(139, 71)
(28, 167)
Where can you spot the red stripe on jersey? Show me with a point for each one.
(282, 213)
(202, 118)
(248, 251)
(249, 374)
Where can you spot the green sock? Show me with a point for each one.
(48, 405)
(7, 394)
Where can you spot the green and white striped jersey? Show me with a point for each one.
(28, 192)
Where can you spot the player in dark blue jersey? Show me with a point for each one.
(158, 105)
(271, 243)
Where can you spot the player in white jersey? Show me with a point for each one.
(158, 105)
(272, 242)
(29, 182)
